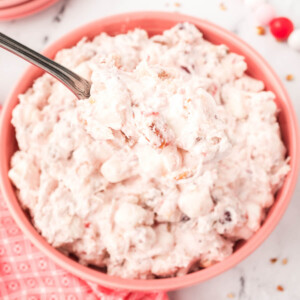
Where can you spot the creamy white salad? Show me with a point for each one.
(175, 157)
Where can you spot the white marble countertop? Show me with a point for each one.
(255, 278)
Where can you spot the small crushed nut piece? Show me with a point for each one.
(230, 295)
(169, 227)
(163, 145)
(222, 6)
(160, 42)
(273, 260)
(260, 30)
(92, 101)
(185, 103)
(280, 288)
(284, 261)
(215, 140)
(206, 263)
(289, 77)
(163, 74)
(182, 175)
(177, 4)
(117, 61)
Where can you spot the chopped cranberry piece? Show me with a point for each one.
(185, 69)
(185, 218)
(227, 215)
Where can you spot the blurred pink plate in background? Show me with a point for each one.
(10, 3)
(25, 9)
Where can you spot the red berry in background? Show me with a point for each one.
(281, 28)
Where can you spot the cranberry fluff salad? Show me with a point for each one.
(175, 157)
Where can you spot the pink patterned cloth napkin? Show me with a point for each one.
(27, 274)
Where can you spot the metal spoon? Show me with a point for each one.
(78, 85)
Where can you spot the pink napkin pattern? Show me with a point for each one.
(27, 274)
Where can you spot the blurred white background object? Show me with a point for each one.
(255, 278)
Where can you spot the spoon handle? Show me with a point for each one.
(79, 86)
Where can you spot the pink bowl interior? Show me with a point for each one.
(155, 23)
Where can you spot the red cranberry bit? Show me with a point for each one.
(159, 135)
(213, 89)
(153, 113)
(87, 224)
(185, 218)
(185, 69)
(227, 215)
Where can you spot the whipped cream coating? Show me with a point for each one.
(176, 155)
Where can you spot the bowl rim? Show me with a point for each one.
(153, 284)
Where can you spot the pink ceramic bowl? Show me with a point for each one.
(155, 23)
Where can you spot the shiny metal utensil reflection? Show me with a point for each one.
(78, 85)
